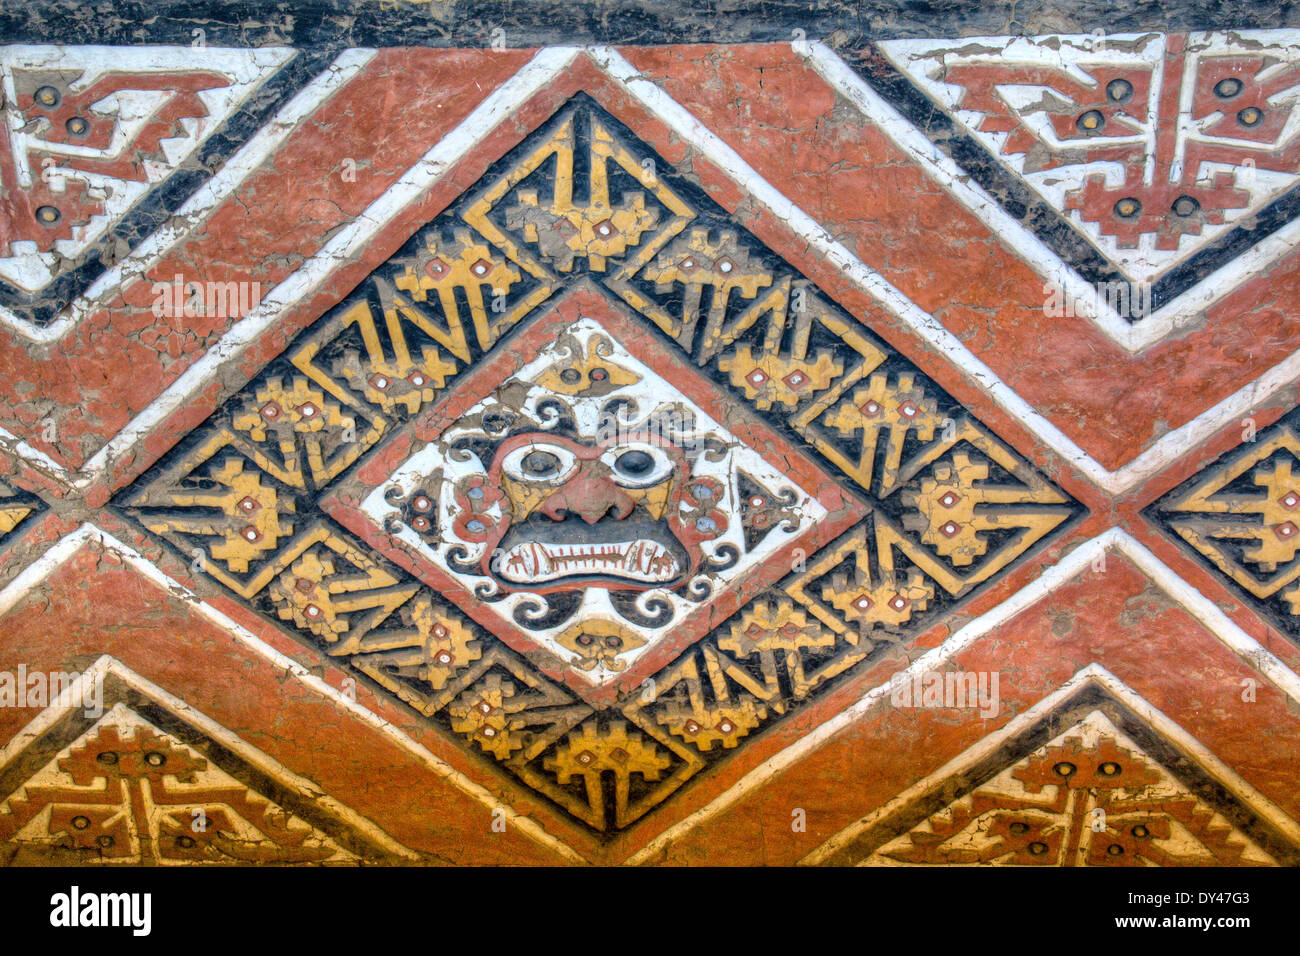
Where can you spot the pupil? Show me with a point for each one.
(634, 463)
(1119, 90)
(1227, 87)
(540, 463)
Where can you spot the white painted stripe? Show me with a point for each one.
(1077, 561)
(202, 203)
(1155, 458)
(1173, 445)
(1155, 328)
(342, 246)
(808, 229)
(535, 74)
(80, 691)
(938, 166)
(33, 456)
(34, 574)
(191, 214)
(1094, 673)
(1181, 311)
(250, 157)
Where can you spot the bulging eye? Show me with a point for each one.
(635, 463)
(539, 463)
(638, 466)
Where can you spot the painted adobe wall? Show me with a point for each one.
(623, 435)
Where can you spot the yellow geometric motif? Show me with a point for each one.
(11, 515)
(1264, 525)
(591, 753)
(245, 494)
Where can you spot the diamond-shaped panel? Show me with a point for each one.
(594, 481)
(1241, 517)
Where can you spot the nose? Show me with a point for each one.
(590, 495)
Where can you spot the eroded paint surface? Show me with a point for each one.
(827, 451)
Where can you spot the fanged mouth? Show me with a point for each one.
(534, 562)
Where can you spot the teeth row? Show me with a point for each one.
(642, 559)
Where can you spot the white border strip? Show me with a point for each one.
(1154, 459)
(33, 457)
(72, 698)
(1073, 564)
(1158, 455)
(342, 246)
(1092, 674)
(1133, 337)
(35, 573)
(187, 218)
(545, 65)
(205, 199)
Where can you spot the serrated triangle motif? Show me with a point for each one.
(585, 434)
(90, 133)
(119, 778)
(1152, 146)
(1089, 784)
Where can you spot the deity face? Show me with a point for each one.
(615, 514)
(589, 504)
